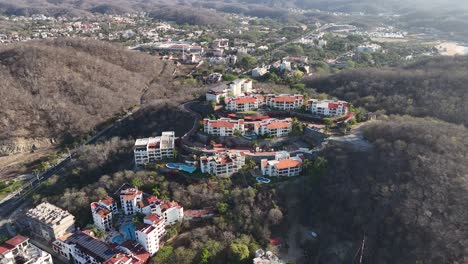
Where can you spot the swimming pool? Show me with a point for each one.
(182, 167)
(118, 239)
(263, 180)
(128, 230)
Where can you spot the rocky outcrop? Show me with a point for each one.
(23, 145)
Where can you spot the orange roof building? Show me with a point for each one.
(283, 165)
(285, 102)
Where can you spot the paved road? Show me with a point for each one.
(8, 207)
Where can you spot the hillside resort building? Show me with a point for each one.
(150, 233)
(222, 164)
(283, 165)
(102, 212)
(223, 127)
(227, 127)
(232, 89)
(285, 102)
(244, 103)
(149, 150)
(328, 108)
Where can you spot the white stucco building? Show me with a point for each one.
(285, 102)
(223, 126)
(149, 150)
(149, 234)
(282, 165)
(222, 164)
(328, 108)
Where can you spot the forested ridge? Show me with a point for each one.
(407, 198)
(66, 87)
(433, 87)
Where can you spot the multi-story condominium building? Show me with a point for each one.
(129, 200)
(327, 107)
(19, 250)
(285, 102)
(233, 89)
(82, 248)
(102, 212)
(273, 127)
(240, 86)
(244, 103)
(223, 126)
(150, 233)
(282, 165)
(222, 164)
(135, 201)
(48, 222)
(172, 212)
(149, 150)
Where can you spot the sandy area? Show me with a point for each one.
(451, 49)
(390, 40)
(16, 165)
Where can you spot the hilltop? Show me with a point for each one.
(63, 88)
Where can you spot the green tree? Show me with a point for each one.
(222, 207)
(328, 122)
(204, 255)
(238, 252)
(248, 62)
(163, 256)
(137, 182)
(229, 77)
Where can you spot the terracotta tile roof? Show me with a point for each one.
(276, 125)
(284, 99)
(12, 243)
(287, 163)
(222, 123)
(103, 212)
(153, 218)
(245, 100)
(107, 201)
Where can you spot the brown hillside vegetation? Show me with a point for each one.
(408, 198)
(67, 86)
(433, 87)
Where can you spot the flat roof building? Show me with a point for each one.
(48, 221)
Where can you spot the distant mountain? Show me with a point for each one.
(63, 88)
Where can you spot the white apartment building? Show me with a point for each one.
(282, 165)
(327, 107)
(233, 89)
(129, 200)
(273, 127)
(134, 201)
(19, 250)
(240, 86)
(149, 150)
(285, 102)
(102, 212)
(222, 164)
(244, 103)
(150, 233)
(223, 127)
(48, 222)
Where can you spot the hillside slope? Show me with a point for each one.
(407, 198)
(433, 87)
(63, 88)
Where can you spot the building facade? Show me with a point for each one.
(223, 126)
(150, 233)
(244, 103)
(283, 165)
(102, 212)
(48, 222)
(328, 108)
(129, 200)
(273, 127)
(223, 164)
(19, 250)
(285, 102)
(149, 150)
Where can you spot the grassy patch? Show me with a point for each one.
(9, 187)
